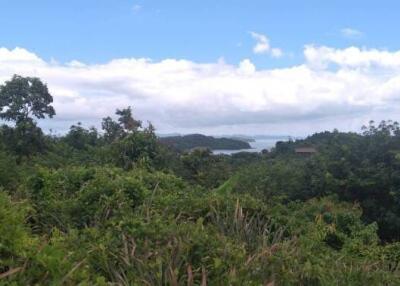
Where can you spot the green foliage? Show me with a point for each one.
(126, 125)
(126, 120)
(25, 140)
(201, 167)
(81, 138)
(8, 170)
(146, 228)
(290, 179)
(16, 244)
(192, 141)
(137, 148)
(360, 168)
(112, 130)
(23, 97)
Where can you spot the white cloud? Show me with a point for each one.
(247, 67)
(352, 57)
(263, 46)
(276, 53)
(19, 55)
(136, 8)
(351, 33)
(185, 96)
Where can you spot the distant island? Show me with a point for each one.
(239, 137)
(188, 142)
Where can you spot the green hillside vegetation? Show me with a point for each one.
(116, 207)
(189, 142)
(241, 138)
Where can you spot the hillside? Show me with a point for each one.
(188, 142)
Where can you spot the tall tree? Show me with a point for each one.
(112, 130)
(126, 125)
(127, 121)
(23, 98)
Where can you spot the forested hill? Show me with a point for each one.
(188, 142)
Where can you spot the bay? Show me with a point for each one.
(257, 146)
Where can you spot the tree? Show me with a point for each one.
(81, 138)
(112, 130)
(22, 98)
(127, 121)
(117, 130)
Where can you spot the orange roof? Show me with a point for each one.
(306, 150)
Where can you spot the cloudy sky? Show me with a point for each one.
(231, 67)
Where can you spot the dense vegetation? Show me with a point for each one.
(115, 207)
(189, 142)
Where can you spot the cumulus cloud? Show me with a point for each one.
(332, 88)
(353, 57)
(247, 67)
(351, 33)
(262, 46)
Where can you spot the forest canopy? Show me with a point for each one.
(191, 141)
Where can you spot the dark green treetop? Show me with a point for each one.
(126, 125)
(22, 98)
(127, 121)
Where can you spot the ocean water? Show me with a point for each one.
(256, 146)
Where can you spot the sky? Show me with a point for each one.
(210, 66)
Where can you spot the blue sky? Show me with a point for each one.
(96, 31)
(251, 67)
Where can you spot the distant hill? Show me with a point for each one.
(188, 142)
(238, 137)
(162, 135)
(266, 137)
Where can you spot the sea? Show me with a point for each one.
(257, 146)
